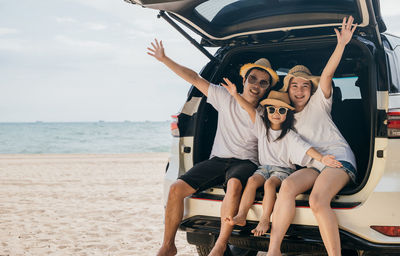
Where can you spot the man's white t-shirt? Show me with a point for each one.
(314, 124)
(234, 137)
(286, 152)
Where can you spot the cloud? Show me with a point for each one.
(390, 8)
(65, 20)
(13, 45)
(8, 31)
(95, 26)
(83, 44)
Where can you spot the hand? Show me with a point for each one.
(229, 86)
(345, 34)
(157, 51)
(329, 160)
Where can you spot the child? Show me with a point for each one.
(279, 147)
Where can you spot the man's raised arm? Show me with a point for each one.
(157, 51)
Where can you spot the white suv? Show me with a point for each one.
(366, 109)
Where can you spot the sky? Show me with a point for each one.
(85, 60)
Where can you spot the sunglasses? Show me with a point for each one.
(281, 110)
(262, 83)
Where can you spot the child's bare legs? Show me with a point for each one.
(285, 206)
(270, 186)
(248, 197)
(327, 185)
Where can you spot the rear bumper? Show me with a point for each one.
(203, 230)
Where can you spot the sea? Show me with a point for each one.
(85, 137)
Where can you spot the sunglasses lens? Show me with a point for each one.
(282, 111)
(264, 84)
(252, 79)
(271, 110)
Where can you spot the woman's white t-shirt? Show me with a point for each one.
(235, 137)
(314, 124)
(286, 152)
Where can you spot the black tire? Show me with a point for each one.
(204, 250)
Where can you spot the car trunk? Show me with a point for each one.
(354, 94)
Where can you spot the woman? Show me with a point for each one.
(312, 99)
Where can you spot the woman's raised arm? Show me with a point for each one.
(343, 38)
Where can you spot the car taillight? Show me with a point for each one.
(393, 231)
(394, 124)
(174, 126)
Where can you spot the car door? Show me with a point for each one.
(221, 21)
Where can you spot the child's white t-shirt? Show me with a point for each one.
(314, 124)
(286, 152)
(235, 137)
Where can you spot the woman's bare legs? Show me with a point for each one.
(268, 203)
(285, 205)
(247, 200)
(326, 186)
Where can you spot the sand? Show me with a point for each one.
(83, 205)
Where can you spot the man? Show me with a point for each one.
(234, 154)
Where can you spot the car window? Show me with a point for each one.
(348, 87)
(393, 62)
(227, 12)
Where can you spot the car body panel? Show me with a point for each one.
(219, 21)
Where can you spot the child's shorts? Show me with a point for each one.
(268, 171)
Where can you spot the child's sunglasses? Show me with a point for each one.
(253, 80)
(281, 110)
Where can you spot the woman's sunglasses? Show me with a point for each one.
(281, 110)
(253, 80)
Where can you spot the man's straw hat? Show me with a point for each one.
(303, 72)
(280, 99)
(264, 64)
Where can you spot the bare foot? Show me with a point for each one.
(218, 250)
(237, 220)
(166, 250)
(261, 228)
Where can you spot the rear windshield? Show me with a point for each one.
(228, 12)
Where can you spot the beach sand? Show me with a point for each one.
(83, 205)
(76, 204)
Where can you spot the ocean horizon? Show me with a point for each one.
(101, 137)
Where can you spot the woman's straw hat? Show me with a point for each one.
(276, 98)
(264, 64)
(303, 72)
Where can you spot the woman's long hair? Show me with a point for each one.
(285, 126)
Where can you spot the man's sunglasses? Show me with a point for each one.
(281, 110)
(253, 80)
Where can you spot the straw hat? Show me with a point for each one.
(276, 98)
(303, 72)
(264, 64)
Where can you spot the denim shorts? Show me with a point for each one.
(347, 167)
(267, 171)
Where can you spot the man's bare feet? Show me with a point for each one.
(218, 250)
(237, 220)
(262, 227)
(166, 250)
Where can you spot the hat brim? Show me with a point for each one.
(286, 81)
(270, 71)
(276, 102)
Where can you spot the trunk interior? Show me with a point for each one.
(354, 93)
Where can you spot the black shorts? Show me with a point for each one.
(217, 171)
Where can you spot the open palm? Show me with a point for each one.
(231, 87)
(345, 34)
(157, 50)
